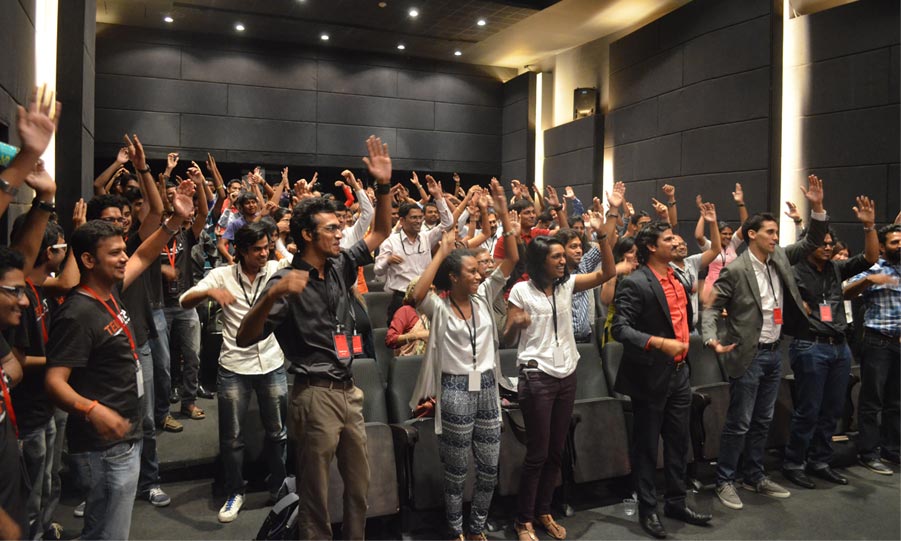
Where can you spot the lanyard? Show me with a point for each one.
(403, 246)
(131, 340)
(170, 254)
(554, 311)
(38, 309)
(772, 288)
(470, 331)
(7, 401)
(256, 292)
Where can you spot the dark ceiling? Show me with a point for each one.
(442, 26)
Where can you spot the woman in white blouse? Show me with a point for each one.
(461, 369)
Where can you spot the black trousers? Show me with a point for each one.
(667, 416)
(879, 393)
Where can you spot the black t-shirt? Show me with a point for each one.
(152, 277)
(30, 400)
(4, 351)
(137, 300)
(178, 251)
(87, 338)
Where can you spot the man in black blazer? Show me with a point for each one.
(653, 322)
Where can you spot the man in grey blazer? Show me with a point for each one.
(761, 299)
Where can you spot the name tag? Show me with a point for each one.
(475, 381)
(559, 358)
(139, 373)
(825, 313)
(777, 316)
(342, 351)
(357, 343)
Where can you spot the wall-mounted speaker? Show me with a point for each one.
(585, 102)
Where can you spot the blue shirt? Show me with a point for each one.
(882, 302)
(581, 325)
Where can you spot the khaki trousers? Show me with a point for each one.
(328, 423)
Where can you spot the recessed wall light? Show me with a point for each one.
(458, 53)
(413, 13)
(168, 19)
(324, 37)
(239, 27)
(401, 46)
(481, 22)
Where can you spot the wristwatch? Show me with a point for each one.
(8, 188)
(44, 205)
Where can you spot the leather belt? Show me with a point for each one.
(314, 381)
(772, 346)
(825, 339)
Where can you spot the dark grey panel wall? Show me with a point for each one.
(850, 122)
(258, 103)
(690, 105)
(572, 157)
(518, 129)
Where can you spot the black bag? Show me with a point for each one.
(281, 522)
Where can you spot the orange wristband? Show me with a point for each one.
(86, 410)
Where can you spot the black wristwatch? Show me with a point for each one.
(44, 205)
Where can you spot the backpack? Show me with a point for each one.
(281, 522)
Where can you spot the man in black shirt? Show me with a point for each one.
(94, 372)
(309, 308)
(820, 357)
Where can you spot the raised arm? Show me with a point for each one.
(670, 192)
(511, 228)
(445, 247)
(367, 211)
(608, 269)
(379, 164)
(708, 214)
(817, 230)
(69, 276)
(553, 201)
(739, 197)
(107, 175)
(865, 210)
(424, 196)
(28, 241)
(202, 209)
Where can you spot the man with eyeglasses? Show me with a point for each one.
(406, 254)
(820, 357)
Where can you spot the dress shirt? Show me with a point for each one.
(818, 287)
(355, 233)
(416, 253)
(581, 324)
(769, 284)
(883, 303)
(677, 302)
(262, 357)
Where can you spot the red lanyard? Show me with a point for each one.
(169, 254)
(131, 340)
(7, 401)
(38, 308)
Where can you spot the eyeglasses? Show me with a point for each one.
(331, 229)
(16, 291)
(62, 246)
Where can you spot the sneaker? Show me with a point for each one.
(79, 510)
(768, 487)
(54, 531)
(876, 466)
(171, 425)
(158, 498)
(231, 507)
(726, 493)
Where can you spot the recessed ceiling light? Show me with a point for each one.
(168, 19)
(401, 46)
(324, 37)
(239, 27)
(383, 4)
(458, 53)
(481, 22)
(414, 13)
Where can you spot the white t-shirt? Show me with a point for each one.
(458, 347)
(690, 272)
(537, 341)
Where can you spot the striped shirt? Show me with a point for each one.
(882, 302)
(581, 324)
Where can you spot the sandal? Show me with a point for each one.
(194, 412)
(476, 537)
(525, 532)
(551, 527)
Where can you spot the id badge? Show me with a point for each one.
(475, 381)
(357, 343)
(825, 313)
(559, 358)
(139, 373)
(172, 287)
(777, 316)
(341, 348)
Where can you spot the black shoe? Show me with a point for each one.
(828, 474)
(174, 396)
(876, 466)
(203, 393)
(891, 457)
(651, 524)
(798, 477)
(687, 514)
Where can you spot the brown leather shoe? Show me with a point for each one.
(551, 527)
(525, 532)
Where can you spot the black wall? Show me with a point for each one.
(518, 129)
(690, 105)
(573, 157)
(850, 122)
(277, 104)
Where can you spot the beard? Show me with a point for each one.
(893, 256)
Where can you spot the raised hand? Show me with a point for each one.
(378, 161)
(351, 180)
(122, 156)
(792, 211)
(498, 196)
(568, 193)
(171, 161)
(434, 187)
(865, 210)
(285, 176)
(699, 201)
(670, 191)
(595, 220)
(616, 198)
(630, 210)
(37, 124)
(552, 199)
(448, 241)
(211, 163)
(708, 211)
(456, 178)
(814, 193)
(136, 152)
(196, 175)
(40, 181)
(659, 208)
(515, 224)
(738, 195)
(313, 180)
(415, 179)
(182, 203)
(79, 214)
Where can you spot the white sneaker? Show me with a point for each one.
(231, 507)
(79, 510)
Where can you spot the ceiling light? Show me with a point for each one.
(414, 13)
(324, 37)
(458, 53)
(383, 4)
(168, 19)
(401, 46)
(481, 22)
(239, 27)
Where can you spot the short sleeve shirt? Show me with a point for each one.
(539, 341)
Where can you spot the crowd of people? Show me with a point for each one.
(97, 319)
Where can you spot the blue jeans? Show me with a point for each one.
(60, 419)
(752, 397)
(150, 465)
(110, 479)
(37, 451)
(234, 398)
(821, 382)
(184, 343)
(162, 384)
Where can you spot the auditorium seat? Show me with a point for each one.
(709, 401)
(383, 354)
(377, 307)
(508, 363)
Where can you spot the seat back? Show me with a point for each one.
(369, 272)
(612, 357)
(402, 375)
(367, 378)
(377, 307)
(383, 354)
(508, 363)
(703, 362)
(590, 373)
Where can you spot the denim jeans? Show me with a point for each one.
(37, 451)
(150, 465)
(821, 383)
(752, 397)
(60, 419)
(234, 398)
(110, 479)
(162, 383)
(184, 343)
(879, 393)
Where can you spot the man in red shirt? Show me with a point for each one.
(653, 321)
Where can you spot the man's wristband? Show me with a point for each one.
(46, 206)
(145, 170)
(507, 234)
(612, 215)
(382, 188)
(165, 227)
(870, 228)
(671, 203)
(798, 221)
(739, 204)
(85, 410)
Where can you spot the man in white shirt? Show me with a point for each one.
(260, 367)
(406, 254)
(354, 233)
(688, 267)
